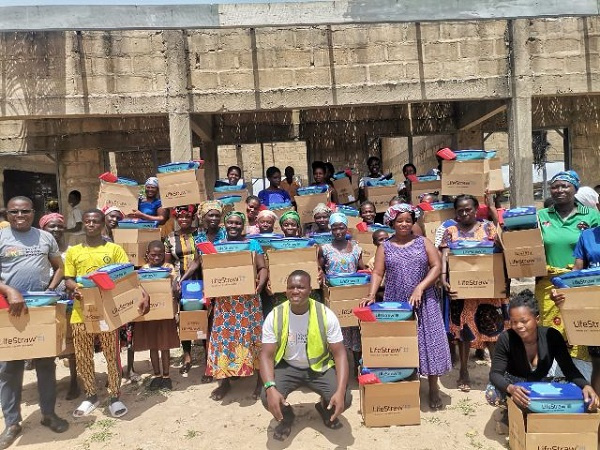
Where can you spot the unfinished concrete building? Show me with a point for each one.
(85, 89)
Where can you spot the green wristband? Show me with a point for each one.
(269, 384)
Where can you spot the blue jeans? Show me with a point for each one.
(11, 386)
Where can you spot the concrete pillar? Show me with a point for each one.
(180, 136)
(520, 154)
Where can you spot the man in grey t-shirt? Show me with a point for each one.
(27, 256)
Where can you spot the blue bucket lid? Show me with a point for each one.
(552, 391)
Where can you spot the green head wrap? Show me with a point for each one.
(289, 215)
(236, 213)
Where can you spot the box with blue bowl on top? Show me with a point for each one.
(534, 431)
(343, 299)
(118, 195)
(478, 275)
(184, 187)
(162, 304)
(381, 195)
(307, 202)
(40, 333)
(229, 273)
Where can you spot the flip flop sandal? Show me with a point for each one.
(326, 416)
(85, 408)
(117, 409)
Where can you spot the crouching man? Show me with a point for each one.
(302, 345)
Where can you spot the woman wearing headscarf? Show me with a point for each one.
(561, 225)
(112, 217)
(321, 214)
(150, 206)
(54, 223)
(343, 256)
(290, 224)
(235, 336)
(266, 221)
(587, 196)
(411, 265)
(180, 250)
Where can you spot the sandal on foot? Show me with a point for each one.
(220, 392)
(117, 409)
(282, 431)
(9, 435)
(85, 409)
(463, 385)
(185, 369)
(326, 416)
(55, 423)
(155, 384)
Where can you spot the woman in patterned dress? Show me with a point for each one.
(180, 250)
(473, 322)
(343, 256)
(235, 337)
(412, 265)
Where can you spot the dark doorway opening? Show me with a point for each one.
(39, 187)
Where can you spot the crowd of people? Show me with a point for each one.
(292, 339)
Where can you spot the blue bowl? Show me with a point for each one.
(228, 247)
(290, 243)
(192, 289)
(554, 398)
(69, 304)
(311, 190)
(348, 211)
(339, 175)
(230, 199)
(578, 278)
(228, 188)
(276, 206)
(470, 155)
(350, 279)
(427, 177)
(473, 248)
(154, 273)
(376, 226)
(264, 239)
(127, 181)
(520, 218)
(192, 304)
(177, 167)
(441, 205)
(325, 238)
(392, 311)
(115, 272)
(389, 375)
(40, 298)
(137, 224)
(380, 183)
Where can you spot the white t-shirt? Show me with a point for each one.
(74, 217)
(295, 351)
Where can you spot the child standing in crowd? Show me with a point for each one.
(157, 335)
(80, 260)
(74, 224)
(290, 183)
(367, 212)
(266, 221)
(252, 210)
(274, 193)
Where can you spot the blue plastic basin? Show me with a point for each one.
(554, 398)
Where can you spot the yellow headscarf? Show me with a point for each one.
(209, 205)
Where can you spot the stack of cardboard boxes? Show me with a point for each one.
(390, 345)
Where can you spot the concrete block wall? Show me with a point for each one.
(79, 169)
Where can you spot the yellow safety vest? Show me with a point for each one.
(319, 357)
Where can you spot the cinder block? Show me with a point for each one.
(240, 79)
(402, 52)
(317, 76)
(351, 75)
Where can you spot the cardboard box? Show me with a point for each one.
(193, 325)
(390, 344)
(387, 404)
(353, 221)
(478, 276)
(424, 187)
(342, 299)
(242, 192)
(306, 203)
(38, 334)
(135, 243)
(495, 179)
(365, 241)
(345, 191)
(69, 347)
(162, 305)
(182, 188)
(381, 196)
(284, 262)
(524, 253)
(227, 274)
(123, 197)
(465, 177)
(109, 310)
(433, 219)
(551, 431)
(581, 315)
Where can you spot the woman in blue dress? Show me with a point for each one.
(150, 206)
(274, 193)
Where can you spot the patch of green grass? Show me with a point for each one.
(472, 435)
(466, 407)
(103, 427)
(191, 434)
(435, 420)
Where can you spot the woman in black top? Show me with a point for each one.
(526, 352)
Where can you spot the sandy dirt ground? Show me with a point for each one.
(188, 418)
